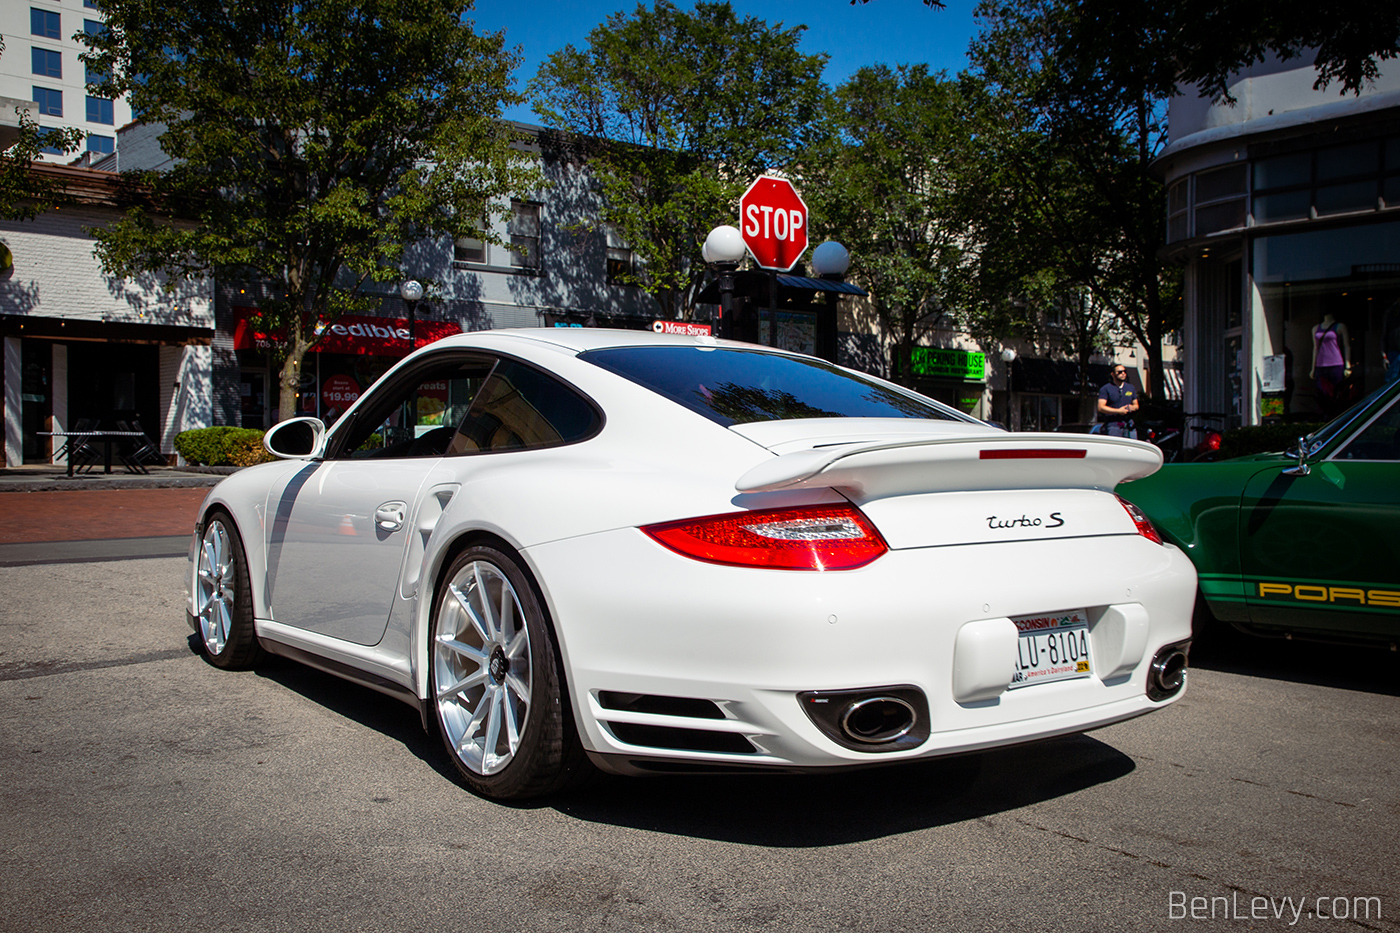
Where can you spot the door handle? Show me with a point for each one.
(390, 515)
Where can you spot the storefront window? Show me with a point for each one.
(1337, 281)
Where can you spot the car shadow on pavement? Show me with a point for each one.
(780, 810)
(1368, 669)
(803, 810)
(369, 708)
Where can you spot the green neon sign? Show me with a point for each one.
(953, 364)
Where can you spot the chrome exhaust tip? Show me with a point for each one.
(870, 719)
(878, 720)
(1167, 675)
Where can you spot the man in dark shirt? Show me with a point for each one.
(1117, 402)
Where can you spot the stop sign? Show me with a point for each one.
(773, 221)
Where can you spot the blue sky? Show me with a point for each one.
(892, 32)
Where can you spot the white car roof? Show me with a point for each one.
(580, 339)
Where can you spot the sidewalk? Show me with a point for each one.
(41, 504)
(46, 478)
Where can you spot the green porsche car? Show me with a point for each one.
(1304, 543)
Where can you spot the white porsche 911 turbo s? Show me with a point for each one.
(665, 554)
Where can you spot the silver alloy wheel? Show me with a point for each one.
(216, 588)
(482, 667)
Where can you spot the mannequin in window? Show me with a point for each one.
(1331, 362)
(1390, 341)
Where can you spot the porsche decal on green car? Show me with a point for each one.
(1305, 542)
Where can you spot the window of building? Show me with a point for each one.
(90, 4)
(50, 101)
(103, 144)
(50, 148)
(1178, 210)
(99, 110)
(44, 23)
(1220, 199)
(525, 235)
(621, 260)
(94, 27)
(95, 77)
(46, 63)
(1337, 180)
(471, 248)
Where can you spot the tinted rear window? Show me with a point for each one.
(742, 386)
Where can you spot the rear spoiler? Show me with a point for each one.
(993, 461)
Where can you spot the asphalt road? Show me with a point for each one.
(145, 790)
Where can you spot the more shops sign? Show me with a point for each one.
(950, 364)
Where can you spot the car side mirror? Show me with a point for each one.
(296, 439)
(1302, 469)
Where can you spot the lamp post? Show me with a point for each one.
(830, 260)
(411, 292)
(1008, 356)
(724, 249)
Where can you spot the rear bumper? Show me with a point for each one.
(635, 618)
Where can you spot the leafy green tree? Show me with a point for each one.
(25, 194)
(887, 182)
(1069, 124)
(310, 144)
(686, 108)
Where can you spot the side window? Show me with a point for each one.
(1379, 441)
(525, 235)
(520, 408)
(417, 416)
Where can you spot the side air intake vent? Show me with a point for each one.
(693, 740)
(660, 706)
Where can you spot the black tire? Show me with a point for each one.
(499, 702)
(223, 596)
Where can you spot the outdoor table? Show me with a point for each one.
(107, 438)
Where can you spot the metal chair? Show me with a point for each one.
(76, 449)
(142, 449)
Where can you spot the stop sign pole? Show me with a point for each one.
(773, 221)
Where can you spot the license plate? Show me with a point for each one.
(1051, 647)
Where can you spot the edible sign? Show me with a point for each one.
(773, 221)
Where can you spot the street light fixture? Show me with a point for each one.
(724, 249)
(831, 260)
(411, 292)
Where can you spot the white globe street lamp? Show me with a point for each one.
(724, 249)
(830, 260)
(411, 292)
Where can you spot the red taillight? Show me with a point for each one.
(1143, 523)
(831, 537)
(1212, 441)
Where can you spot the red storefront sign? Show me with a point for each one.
(355, 334)
(684, 328)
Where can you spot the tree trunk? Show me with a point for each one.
(289, 382)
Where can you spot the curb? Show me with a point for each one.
(62, 483)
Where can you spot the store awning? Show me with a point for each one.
(1172, 382)
(354, 334)
(754, 285)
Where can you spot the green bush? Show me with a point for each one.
(244, 447)
(1263, 438)
(222, 446)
